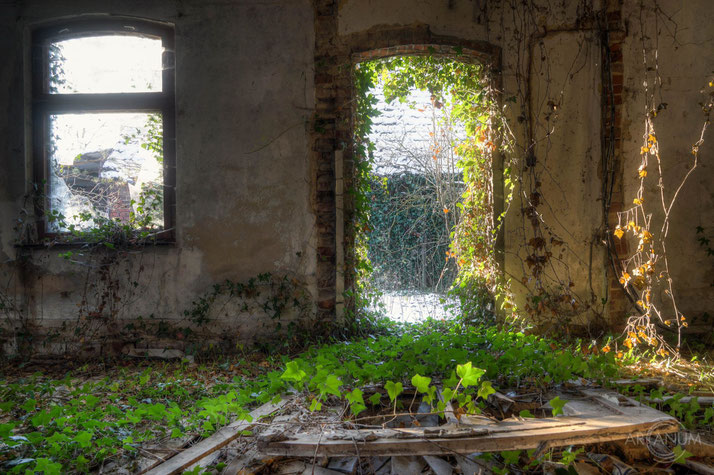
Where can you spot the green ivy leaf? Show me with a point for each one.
(6, 430)
(393, 389)
(375, 399)
(29, 405)
(430, 395)
(569, 456)
(680, 454)
(511, 456)
(356, 408)
(525, 413)
(83, 438)
(315, 405)
(557, 404)
(468, 374)
(331, 385)
(485, 390)
(42, 418)
(293, 372)
(447, 394)
(47, 467)
(355, 396)
(421, 383)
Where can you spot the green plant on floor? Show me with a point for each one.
(80, 425)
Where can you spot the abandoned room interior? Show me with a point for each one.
(356, 236)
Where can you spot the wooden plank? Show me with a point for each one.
(438, 465)
(302, 467)
(407, 464)
(204, 463)
(509, 434)
(617, 402)
(501, 401)
(218, 440)
(344, 464)
(644, 382)
(471, 465)
(698, 467)
(158, 454)
(449, 410)
(239, 465)
(703, 401)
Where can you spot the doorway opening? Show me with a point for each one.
(417, 139)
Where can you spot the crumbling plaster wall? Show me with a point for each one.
(256, 180)
(244, 94)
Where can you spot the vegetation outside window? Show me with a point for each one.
(103, 128)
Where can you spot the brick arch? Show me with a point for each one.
(331, 134)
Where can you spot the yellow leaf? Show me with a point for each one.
(639, 282)
(643, 173)
(644, 150)
(638, 201)
(646, 236)
(619, 233)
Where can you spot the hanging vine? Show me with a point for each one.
(647, 222)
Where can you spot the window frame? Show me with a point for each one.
(45, 104)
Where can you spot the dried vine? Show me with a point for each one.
(648, 268)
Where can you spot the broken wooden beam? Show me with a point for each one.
(602, 416)
(223, 437)
(500, 436)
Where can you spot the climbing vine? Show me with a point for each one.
(462, 87)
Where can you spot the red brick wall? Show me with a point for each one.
(613, 79)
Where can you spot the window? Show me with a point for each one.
(103, 126)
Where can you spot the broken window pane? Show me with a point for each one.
(105, 64)
(105, 166)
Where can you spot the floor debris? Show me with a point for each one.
(420, 441)
(198, 452)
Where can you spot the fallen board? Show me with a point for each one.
(611, 417)
(218, 440)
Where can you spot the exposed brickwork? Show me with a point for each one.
(322, 149)
(119, 206)
(335, 57)
(618, 304)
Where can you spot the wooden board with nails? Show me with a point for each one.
(602, 416)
